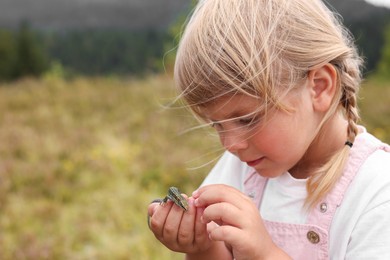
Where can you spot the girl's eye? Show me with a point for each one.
(245, 121)
(248, 121)
(215, 125)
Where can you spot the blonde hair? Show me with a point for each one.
(265, 48)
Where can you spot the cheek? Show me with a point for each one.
(282, 139)
(275, 140)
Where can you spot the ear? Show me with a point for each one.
(322, 84)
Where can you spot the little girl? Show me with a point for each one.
(278, 80)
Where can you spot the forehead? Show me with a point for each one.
(231, 106)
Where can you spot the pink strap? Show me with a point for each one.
(254, 186)
(364, 145)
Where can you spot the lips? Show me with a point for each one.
(254, 162)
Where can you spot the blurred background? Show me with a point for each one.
(86, 139)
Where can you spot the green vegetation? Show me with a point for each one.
(81, 159)
(97, 52)
(369, 34)
(20, 54)
(26, 52)
(384, 63)
(374, 107)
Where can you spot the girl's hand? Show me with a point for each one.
(239, 220)
(179, 230)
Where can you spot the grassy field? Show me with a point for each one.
(81, 159)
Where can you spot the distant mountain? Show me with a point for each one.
(82, 14)
(129, 14)
(367, 23)
(353, 10)
(147, 21)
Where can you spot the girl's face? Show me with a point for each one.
(271, 146)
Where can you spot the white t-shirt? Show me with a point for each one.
(361, 225)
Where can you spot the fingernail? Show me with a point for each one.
(195, 194)
(196, 202)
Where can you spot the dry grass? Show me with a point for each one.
(80, 161)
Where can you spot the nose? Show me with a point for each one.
(234, 142)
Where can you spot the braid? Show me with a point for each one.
(350, 80)
(325, 177)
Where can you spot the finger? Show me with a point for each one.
(237, 239)
(158, 218)
(223, 213)
(172, 223)
(152, 206)
(201, 234)
(242, 241)
(228, 234)
(186, 230)
(212, 194)
(211, 226)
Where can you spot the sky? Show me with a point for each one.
(380, 2)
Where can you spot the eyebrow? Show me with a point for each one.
(236, 115)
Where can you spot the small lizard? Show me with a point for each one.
(175, 196)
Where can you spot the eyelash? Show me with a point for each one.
(245, 122)
(214, 124)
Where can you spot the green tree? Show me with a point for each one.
(174, 35)
(384, 63)
(102, 51)
(30, 57)
(7, 55)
